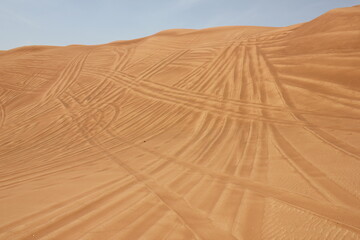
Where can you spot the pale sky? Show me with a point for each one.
(64, 22)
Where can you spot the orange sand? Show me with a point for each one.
(221, 133)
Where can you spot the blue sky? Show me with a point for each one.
(64, 22)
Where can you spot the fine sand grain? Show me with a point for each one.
(220, 133)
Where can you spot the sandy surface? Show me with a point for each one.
(221, 133)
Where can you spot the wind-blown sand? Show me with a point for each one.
(221, 133)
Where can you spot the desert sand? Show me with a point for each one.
(220, 133)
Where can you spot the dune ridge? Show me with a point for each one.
(222, 133)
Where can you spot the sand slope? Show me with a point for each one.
(221, 133)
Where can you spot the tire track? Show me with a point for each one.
(200, 225)
(329, 188)
(155, 68)
(255, 161)
(192, 218)
(339, 214)
(126, 79)
(36, 224)
(214, 68)
(67, 77)
(63, 220)
(323, 136)
(199, 106)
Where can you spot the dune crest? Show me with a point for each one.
(220, 133)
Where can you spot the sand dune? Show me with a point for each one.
(220, 133)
